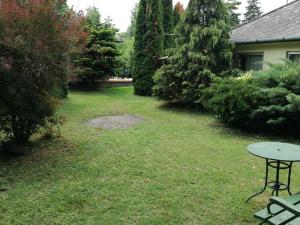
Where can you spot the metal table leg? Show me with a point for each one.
(289, 179)
(266, 182)
(277, 182)
(276, 185)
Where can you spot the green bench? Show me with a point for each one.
(281, 211)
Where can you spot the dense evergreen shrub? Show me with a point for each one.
(233, 99)
(266, 101)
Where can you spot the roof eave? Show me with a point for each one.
(265, 41)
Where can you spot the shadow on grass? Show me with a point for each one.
(182, 108)
(106, 91)
(11, 152)
(223, 129)
(26, 164)
(269, 135)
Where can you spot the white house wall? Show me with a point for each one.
(273, 52)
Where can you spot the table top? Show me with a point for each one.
(276, 151)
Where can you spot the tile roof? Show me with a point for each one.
(281, 24)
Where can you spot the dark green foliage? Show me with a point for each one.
(60, 90)
(154, 34)
(266, 101)
(168, 19)
(24, 106)
(203, 52)
(232, 99)
(233, 6)
(253, 10)
(148, 46)
(139, 71)
(98, 60)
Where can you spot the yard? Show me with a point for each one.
(176, 167)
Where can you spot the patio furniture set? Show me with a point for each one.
(281, 157)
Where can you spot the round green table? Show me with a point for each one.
(279, 156)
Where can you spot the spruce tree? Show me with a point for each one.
(168, 19)
(148, 45)
(253, 10)
(233, 6)
(99, 58)
(204, 51)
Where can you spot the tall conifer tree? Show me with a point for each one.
(204, 51)
(140, 42)
(168, 19)
(148, 45)
(253, 10)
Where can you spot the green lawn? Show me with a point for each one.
(177, 167)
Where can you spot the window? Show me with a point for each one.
(294, 56)
(249, 61)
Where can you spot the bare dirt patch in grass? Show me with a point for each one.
(115, 122)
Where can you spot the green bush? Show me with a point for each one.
(167, 87)
(265, 101)
(233, 99)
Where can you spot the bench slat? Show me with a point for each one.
(264, 215)
(281, 218)
(294, 222)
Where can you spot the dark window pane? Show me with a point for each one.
(294, 57)
(254, 62)
(248, 62)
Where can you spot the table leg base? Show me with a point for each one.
(276, 186)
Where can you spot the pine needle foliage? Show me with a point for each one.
(99, 59)
(203, 52)
(169, 41)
